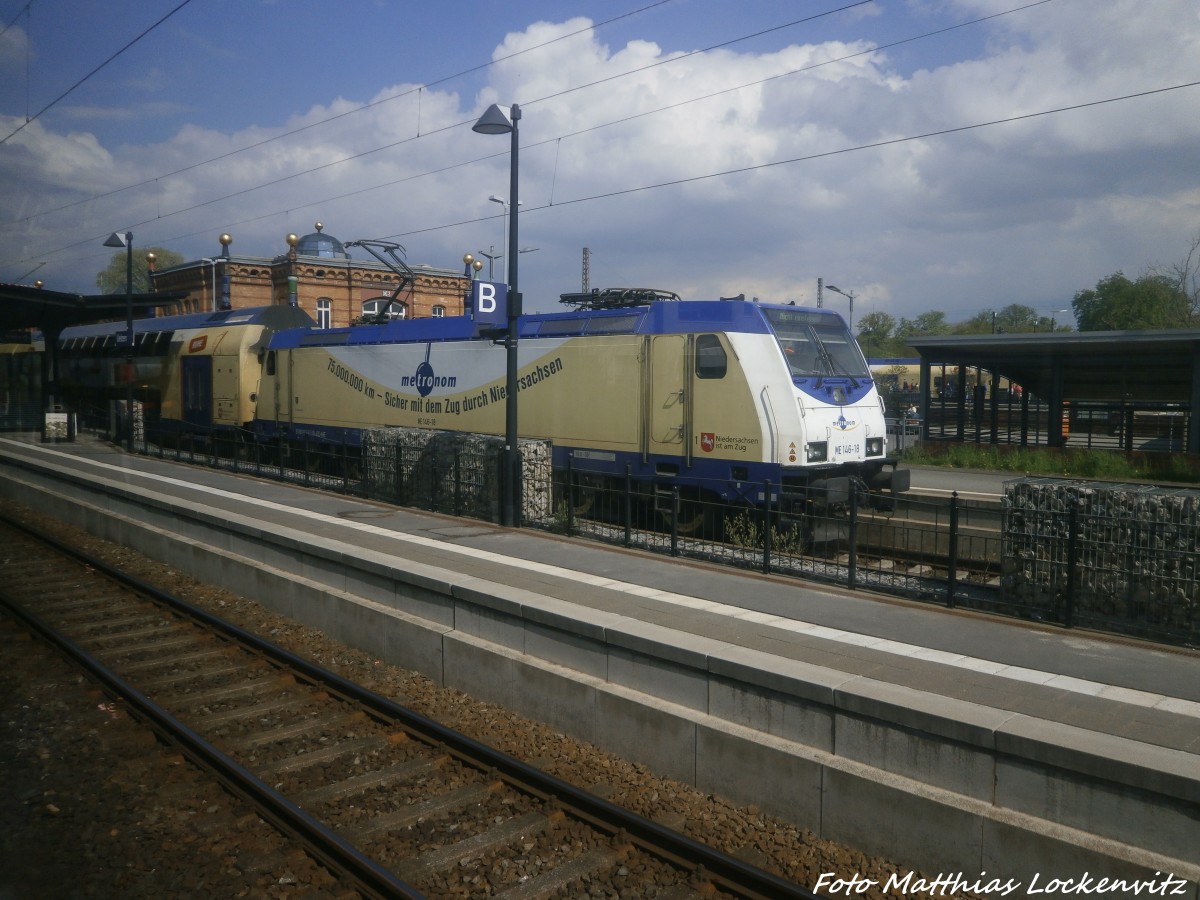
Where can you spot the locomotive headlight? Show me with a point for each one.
(816, 451)
(875, 446)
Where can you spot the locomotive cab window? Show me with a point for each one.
(802, 355)
(711, 361)
(816, 344)
(270, 362)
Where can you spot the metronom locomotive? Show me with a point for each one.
(716, 398)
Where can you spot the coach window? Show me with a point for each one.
(711, 361)
(324, 312)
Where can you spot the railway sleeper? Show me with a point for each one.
(503, 835)
(379, 827)
(350, 787)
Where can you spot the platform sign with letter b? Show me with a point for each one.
(489, 303)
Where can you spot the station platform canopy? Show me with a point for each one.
(1087, 365)
(25, 306)
(1130, 371)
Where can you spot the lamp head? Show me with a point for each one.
(493, 121)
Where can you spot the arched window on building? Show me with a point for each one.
(324, 312)
(379, 309)
(439, 312)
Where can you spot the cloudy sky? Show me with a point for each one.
(952, 155)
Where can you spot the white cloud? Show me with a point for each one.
(1023, 212)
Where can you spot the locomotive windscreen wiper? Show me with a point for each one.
(836, 365)
(835, 368)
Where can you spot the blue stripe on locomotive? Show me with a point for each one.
(251, 316)
(671, 317)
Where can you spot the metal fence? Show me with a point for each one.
(1114, 557)
(1119, 559)
(930, 550)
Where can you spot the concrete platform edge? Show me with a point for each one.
(719, 715)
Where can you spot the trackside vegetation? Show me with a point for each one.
(1101, 465)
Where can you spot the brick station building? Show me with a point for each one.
(328, 284)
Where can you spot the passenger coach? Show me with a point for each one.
(191, 373)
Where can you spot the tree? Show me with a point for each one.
(112, 279)
(1185, 276)
(875, 334)
(1016, 318)
(1118, 304)
(983, 322)
(932, 322)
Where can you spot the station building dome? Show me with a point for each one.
(321, 244)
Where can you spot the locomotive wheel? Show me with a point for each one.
(581, 496)
(695, 517)
(583, 499)
(691, 518)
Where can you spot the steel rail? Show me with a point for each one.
(369, 877)
(724, 870)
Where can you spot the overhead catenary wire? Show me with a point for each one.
(91, 74)
(451, 126)
(448, 127)
(743, 169)
(328, 119)
(662, 184)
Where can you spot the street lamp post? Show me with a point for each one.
(849, 295)
(494, 121)
(214, 263)
(116, 240)
(509, 247)
(504, 228)
(1053, 320)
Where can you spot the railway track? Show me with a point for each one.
(393, 803)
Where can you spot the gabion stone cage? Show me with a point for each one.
(452, 471)
(1108, 554)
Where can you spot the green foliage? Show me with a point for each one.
(932, 322)
(745, 530)
(1118, 304)
(112, 279)
(1016, 318)
(1162, 298)
(876, 334)
(1100, 465)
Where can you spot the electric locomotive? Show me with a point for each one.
(715, 398)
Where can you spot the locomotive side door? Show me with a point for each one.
(665, 381)
(279, 367)
(196, 386)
